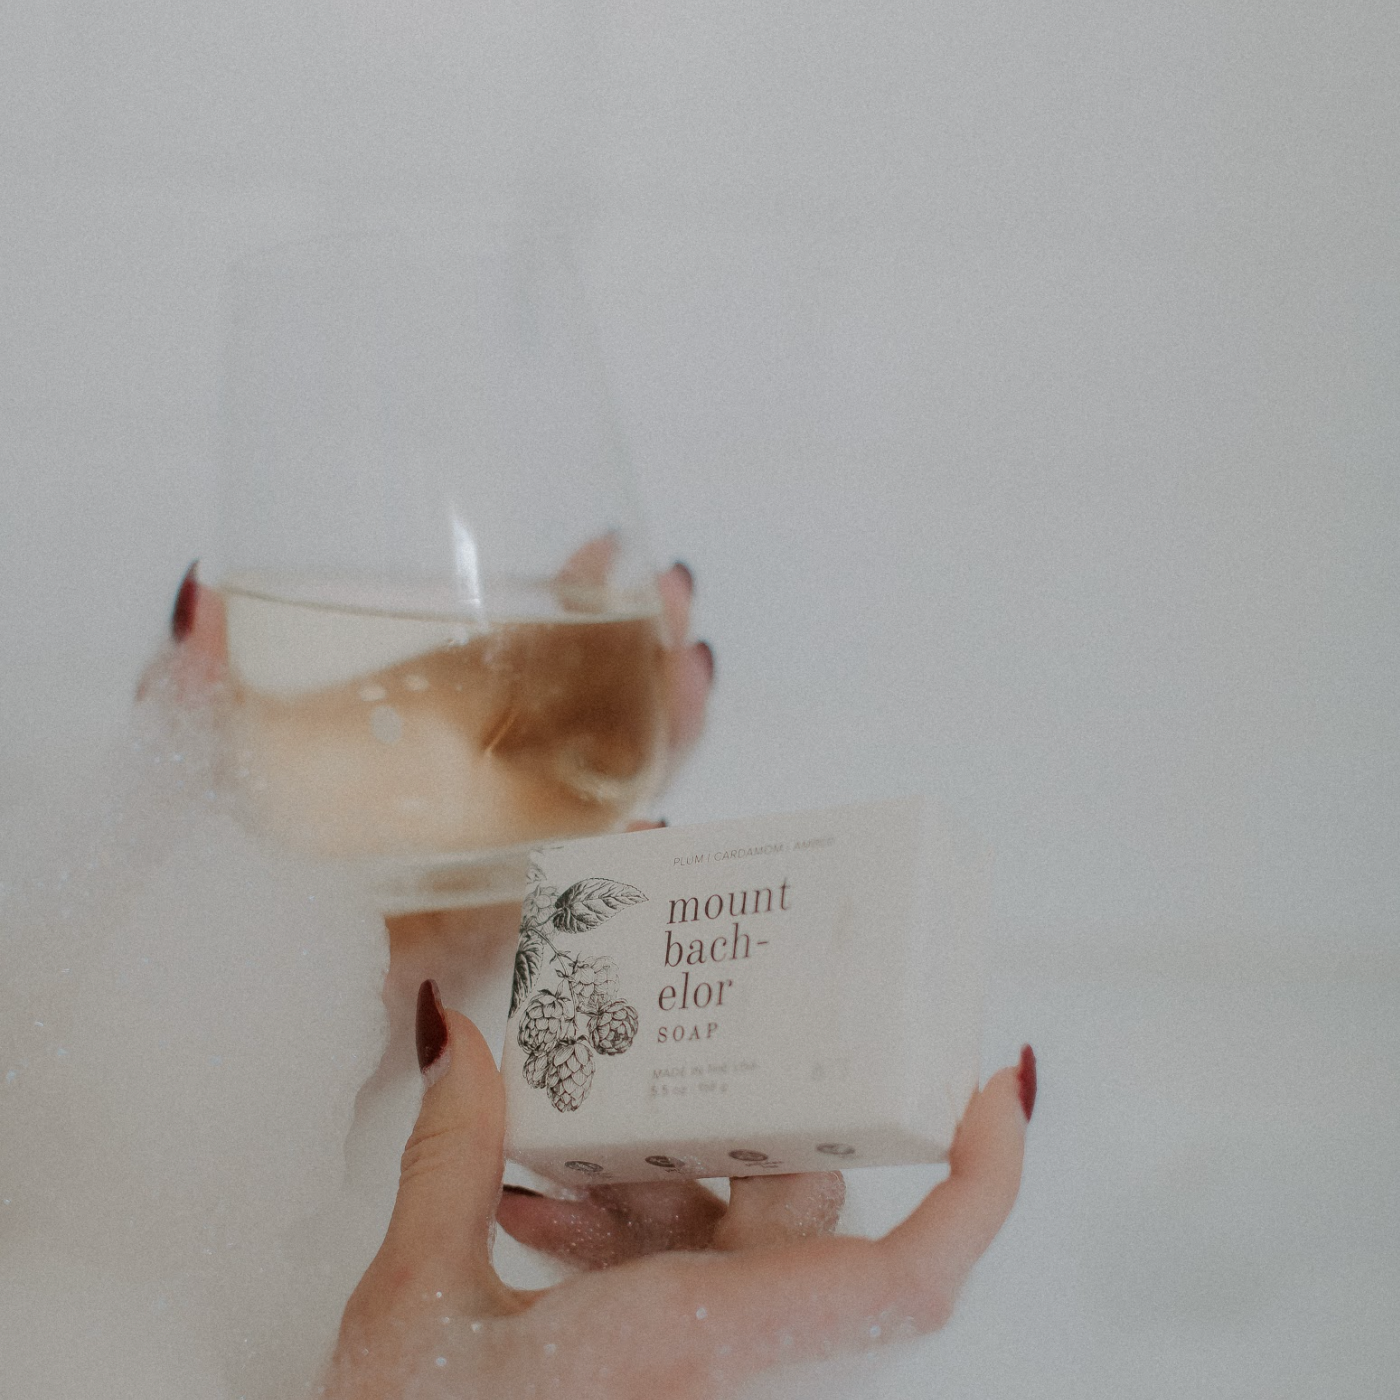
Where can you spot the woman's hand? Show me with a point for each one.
(460, 948)
(762, 1281)
(199, 659)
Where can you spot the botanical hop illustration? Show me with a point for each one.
(537, 1067)
(568, 1074)
(561, 1026)
(548, 1016)
(593, 983)
(611, 1029)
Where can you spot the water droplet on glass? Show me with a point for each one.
(370, 693)
(701, 1313)
(550, 1348)
(386, 724)
(441, 1361)
(416, 682)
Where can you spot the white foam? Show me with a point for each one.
(191, 1181)
(185, 1021)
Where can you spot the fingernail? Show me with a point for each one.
(432, 1030)
(1025, 1076)
(708, 652)
(522, 1191)
(661, 821)
(684, 569)
(182, 615)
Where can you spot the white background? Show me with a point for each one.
(1021, 384)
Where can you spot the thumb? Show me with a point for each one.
(439, 1236)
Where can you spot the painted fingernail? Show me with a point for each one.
(708, 652)
(432, 1031)
(522, 1191)
(182, 615)
(1025, 1077)
(684, 570)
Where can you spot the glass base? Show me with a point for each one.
(470, 880)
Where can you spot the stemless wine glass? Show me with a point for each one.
(443, 628)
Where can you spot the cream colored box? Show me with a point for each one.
(778, 994)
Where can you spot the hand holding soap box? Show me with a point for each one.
(777, 994)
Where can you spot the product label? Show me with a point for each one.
(745, 996)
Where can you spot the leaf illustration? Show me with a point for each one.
(588, 903)
(527, 967)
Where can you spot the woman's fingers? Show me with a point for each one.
(197, 659)
(728, 1314)
(203, 648)
(769, 1210)
(940, 1242)
(591, 563)
(691, 667)
(439, 1240)
(197, 620)
(613, 1224)
(691, 678)
(677, 588)
(816, 1296)
(692, 670)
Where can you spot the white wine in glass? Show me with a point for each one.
(443, 631)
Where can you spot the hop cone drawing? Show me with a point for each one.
(539, 901)
(544, 1021)
(594, 983)
(612, 1028)
(536, 1067)
(568, 1074)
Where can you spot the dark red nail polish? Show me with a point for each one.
(661, 821)
(687, 574)
(1025, 1075)
(182, 615)
(432, 1025)
(708, 652)
(522, 1191)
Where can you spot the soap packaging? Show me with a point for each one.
(789, 993)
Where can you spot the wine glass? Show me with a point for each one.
(444, 634)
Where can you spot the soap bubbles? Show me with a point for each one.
(186, 1019)
(189, 1023)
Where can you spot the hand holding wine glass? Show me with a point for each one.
(459, 947)
(436, 640)
(444, 638)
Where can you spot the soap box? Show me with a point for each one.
(779, 994)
